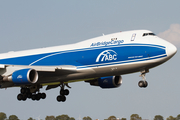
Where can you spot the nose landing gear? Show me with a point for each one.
(143, 83)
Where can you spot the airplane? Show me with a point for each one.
(98, 61)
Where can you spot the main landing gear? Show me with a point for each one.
(31, 93)
(63, 93)
(143, 83)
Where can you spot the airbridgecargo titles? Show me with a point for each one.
(112, 42)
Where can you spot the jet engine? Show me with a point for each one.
(23, 76)
(107, 82)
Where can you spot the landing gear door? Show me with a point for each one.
(133, 37)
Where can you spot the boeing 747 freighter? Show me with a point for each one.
(99, 61)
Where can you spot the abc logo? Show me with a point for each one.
(107, 55)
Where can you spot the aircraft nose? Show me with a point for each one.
(171, 50)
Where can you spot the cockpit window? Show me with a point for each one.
(147, 34)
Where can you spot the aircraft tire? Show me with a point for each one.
(27, 90)
(24, 97)
(140, 84)
(29, 95)
(38, 96)
(143, 84)
(66, 92)
(62, 92)
(43, 95)
(33, 97)
(61, 98)
(19, 97)
(58, 98)
(23, 90)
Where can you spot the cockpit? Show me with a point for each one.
(149, 34)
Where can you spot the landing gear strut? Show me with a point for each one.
(63, 93)
(143, 83)
(30, 92)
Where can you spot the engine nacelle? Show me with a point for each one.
(23, 76)
(107, 82)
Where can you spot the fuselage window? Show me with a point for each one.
(147, 34)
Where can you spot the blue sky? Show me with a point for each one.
(42, 23)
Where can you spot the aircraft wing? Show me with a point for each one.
(42, 71)
(54, 68)
(45, 68)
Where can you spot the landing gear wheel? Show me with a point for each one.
(29, 95)
(31, 92)
(140, 84)
(38, 96)
(33, 97)
(25, 90)
(58, 98)
(43, 95)
(64, 92)
(24, 97)
(61, 98)
(143, 84)
(20, 97)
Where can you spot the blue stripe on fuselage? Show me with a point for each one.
(88, 56)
